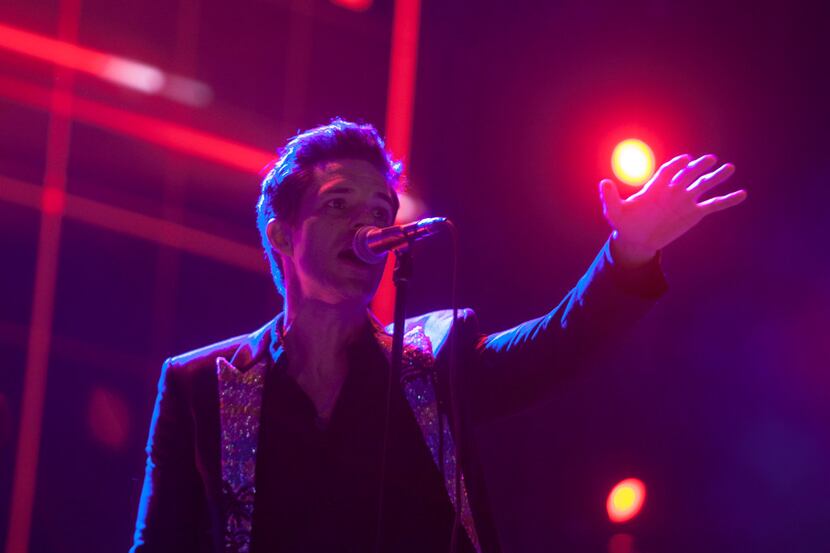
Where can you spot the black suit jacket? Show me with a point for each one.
(181, 506)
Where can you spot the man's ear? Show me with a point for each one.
(279, 236)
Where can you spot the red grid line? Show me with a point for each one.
(150, 129)
(43, 302)
(142, 226)
(403, 62)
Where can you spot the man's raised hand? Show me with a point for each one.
(665, 208)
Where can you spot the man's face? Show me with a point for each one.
(344, 196)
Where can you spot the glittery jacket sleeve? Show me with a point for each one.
(172, 495)
(520, 366)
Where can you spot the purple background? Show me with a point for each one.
(718, 400)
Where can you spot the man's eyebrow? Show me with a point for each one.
(340, 189)
(337, 189)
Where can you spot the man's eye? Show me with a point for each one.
(337, 203)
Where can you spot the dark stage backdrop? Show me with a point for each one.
(718, 400)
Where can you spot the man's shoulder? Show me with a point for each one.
(240, 349)
(199, 365)
(207, 355)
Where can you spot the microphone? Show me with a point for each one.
(372, 243)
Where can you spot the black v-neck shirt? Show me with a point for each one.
(317, 487)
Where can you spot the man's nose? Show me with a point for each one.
(364, 218)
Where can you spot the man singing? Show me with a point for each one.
(275, 441)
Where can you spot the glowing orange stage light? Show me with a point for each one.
(626, 500)
(632, 161)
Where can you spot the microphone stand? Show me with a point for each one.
(401, 276)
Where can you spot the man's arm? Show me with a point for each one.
(172, 492)
(521, 365)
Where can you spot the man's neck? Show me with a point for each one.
(318, 331)
(317, 336)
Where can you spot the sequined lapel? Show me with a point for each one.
(418, 382)
(240, 403)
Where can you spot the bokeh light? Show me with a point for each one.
(632, 162)
(626, 500)
(411, 209)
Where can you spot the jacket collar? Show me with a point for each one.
(254, 346)
(266, 340)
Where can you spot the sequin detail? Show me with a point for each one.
(418, 383)
(240, 402)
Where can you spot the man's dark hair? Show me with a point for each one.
(286, 182)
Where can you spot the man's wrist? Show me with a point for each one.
(630, 255)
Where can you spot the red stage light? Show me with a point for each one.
(626, 500)
(354, 5)
(633, 161)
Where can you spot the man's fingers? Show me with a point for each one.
(723, 202)
(610, 197)
(668, 170)
(693, 171)
(707, 182)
